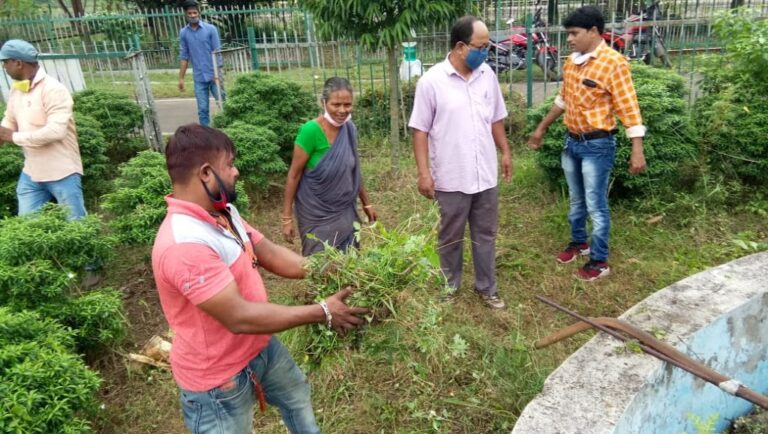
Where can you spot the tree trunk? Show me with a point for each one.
(394, 109)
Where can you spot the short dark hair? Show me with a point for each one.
(190, 4)
(585, 17)
(193, 145)
(462, 30)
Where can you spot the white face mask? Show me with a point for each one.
(333, 122)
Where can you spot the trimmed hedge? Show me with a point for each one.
(258, 155)
(137, 205)
(270, 102)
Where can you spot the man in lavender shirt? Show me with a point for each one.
(458, 123)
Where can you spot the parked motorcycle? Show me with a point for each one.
(636, 40)
(511, 51)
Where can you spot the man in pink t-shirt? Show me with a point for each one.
(205, 261)
(458, 124)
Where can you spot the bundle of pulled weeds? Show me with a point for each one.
(389, 265)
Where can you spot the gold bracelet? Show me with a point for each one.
(368, 206)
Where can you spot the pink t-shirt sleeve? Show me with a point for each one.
(423, 113)
(255, 235)
(195, 270)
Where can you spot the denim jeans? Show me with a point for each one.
(587, 165)
(203, 91)
(229, 409)
(68, 191)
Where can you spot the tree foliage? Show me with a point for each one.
(670, 142)
(380, 24)
(383, 24)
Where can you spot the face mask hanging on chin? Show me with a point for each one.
(22, 85)
(225, 196)
(333, 122)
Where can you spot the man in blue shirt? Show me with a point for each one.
(198, 41)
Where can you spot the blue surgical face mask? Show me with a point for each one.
(476, 57)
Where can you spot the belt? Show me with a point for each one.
(592, 135)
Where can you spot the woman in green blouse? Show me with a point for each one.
(324, 179)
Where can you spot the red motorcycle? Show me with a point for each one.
(639, 41)
(511, 51)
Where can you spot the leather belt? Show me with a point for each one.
(592, 135)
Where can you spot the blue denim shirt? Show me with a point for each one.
(197, 46)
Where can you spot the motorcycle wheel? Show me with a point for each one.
(552, 71)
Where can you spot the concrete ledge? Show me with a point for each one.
(718, 316)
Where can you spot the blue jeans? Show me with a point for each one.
(203, 91)
(228, 409)
(587, 165)
(67, 191)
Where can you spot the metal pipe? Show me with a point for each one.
(729, 385)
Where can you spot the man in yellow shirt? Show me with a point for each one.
(597, 87)
(39, 119)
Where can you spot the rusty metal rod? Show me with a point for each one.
(721, 381)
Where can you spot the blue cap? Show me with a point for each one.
(17, 49)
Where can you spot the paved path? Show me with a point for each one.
(174, 112)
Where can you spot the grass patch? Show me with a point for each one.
(457, 368)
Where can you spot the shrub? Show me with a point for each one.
(732, 117)
(48, 235)
(96, 317)
(669, 143)
(11, 163)
(371, 114)
(93, 147)
(137, 204)
(119, 117)
(732, 125)
(44, 275)
(45, 386)
(270, 102)
(258, 154)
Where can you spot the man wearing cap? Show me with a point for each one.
(198, 41)
(39, 119)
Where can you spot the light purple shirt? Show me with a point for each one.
(457, 114)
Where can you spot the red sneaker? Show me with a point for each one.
(573, 251)
(593, 270)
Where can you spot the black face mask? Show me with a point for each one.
(226, 194)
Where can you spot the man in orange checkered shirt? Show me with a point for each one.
(597, 88)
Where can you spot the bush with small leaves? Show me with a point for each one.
(258, 155)
(48, 235)
(45, 386)
(11, 163)
(44, 275)
(93, 147)
(118, 115)
(670, 142)
(732, 117)
(269, 102)
(371, 113)
(137, 204)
